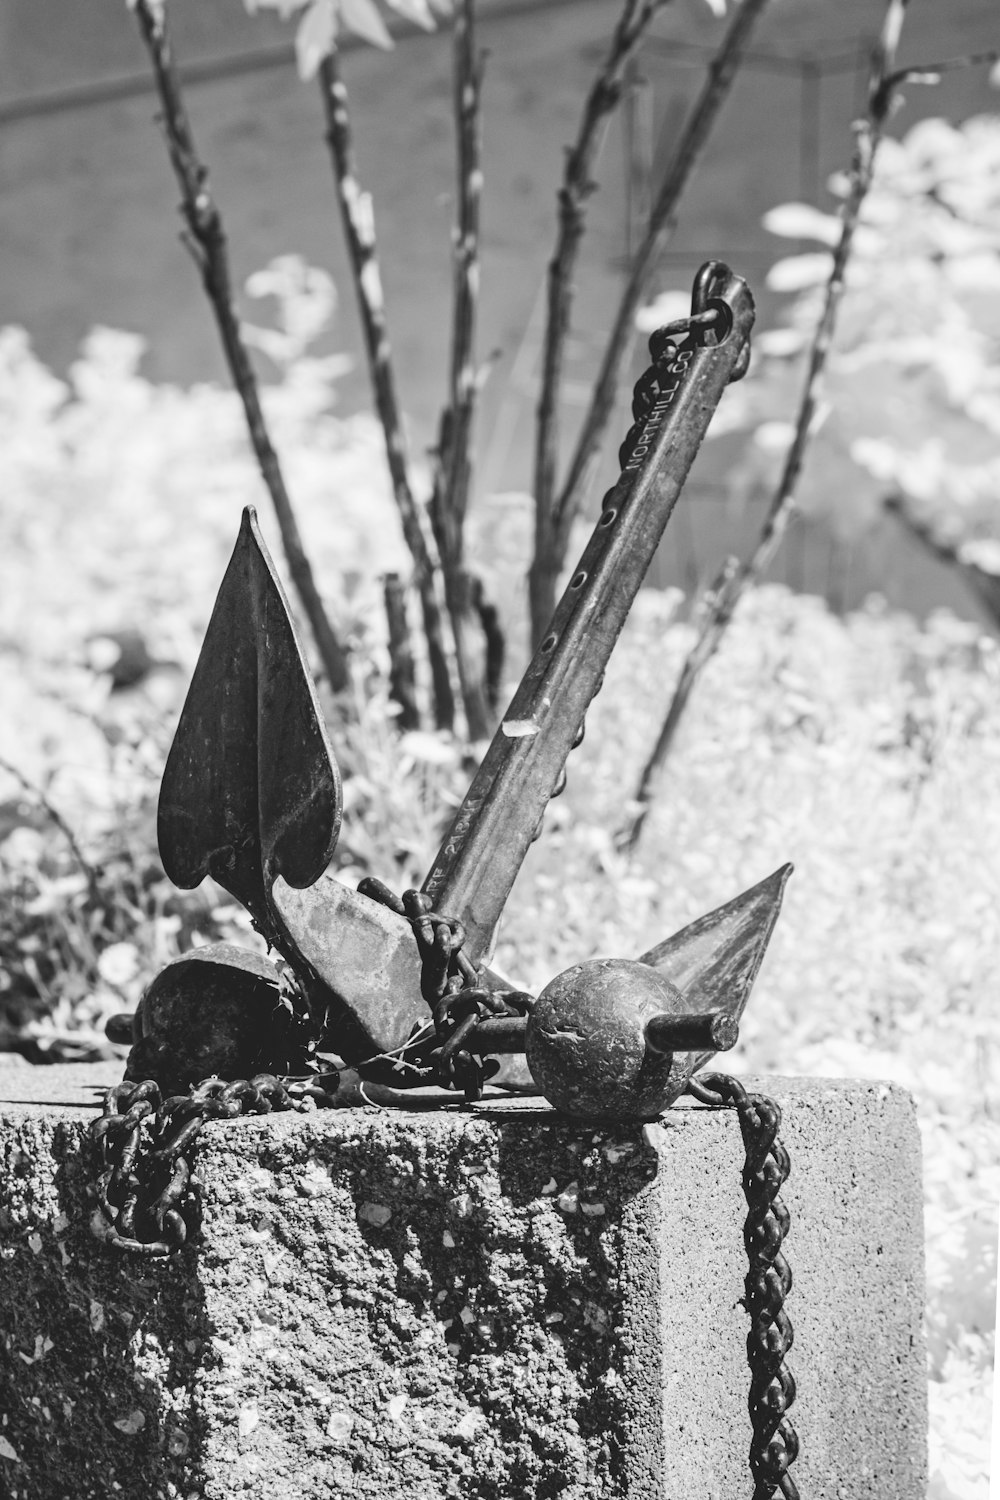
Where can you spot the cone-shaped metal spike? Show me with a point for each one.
(715, 959)
(250, 789)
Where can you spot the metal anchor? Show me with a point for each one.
(251, 796)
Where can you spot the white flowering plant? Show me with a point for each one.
(911, 400)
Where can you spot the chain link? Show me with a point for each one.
(454, 989)
(144, 1189)
(775, 1443)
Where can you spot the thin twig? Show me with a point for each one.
(359, 232)
(453, 469)
(55, 816)
(984, 584)
(495, 640)
(577, 187)
(730, 589)
(931, 72)
(205, 239)
(468, 83)
(402, 685)
(721, 73)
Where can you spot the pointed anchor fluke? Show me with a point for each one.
(250, 790)
(714, 961)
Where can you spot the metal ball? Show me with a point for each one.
(214, 1011)
(586, 1047)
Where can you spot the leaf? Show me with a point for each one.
(119, 964)
(666, 308)
(982, 553)
(285, 8)
(315, 37)
(800, 221)
(362, 17)
(6, 1451)
(797, 272)
(417, 11)
(717, 7)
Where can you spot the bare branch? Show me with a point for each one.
(721, 73)
(468, 82)
(496, 642)
(402, 682)
(933, 71)
(730, 589)
(984, 584)
(359, 231)
(55, 816)
(577, 186)
(453, 468)
(205, 238)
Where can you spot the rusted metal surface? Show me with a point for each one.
(485, 847)
(715, 1030)
(251, 796)
(715, 959)
(775, 1443)
(586, 1044)
(365, 960)
(215, 1010)
(250, 789)
(482, 853)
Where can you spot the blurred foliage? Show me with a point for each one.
(320, 23)
(912, 389)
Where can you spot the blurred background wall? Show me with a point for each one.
(89, 218)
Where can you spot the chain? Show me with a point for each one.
(775, 1444)
(144, 1190)
(453, 987)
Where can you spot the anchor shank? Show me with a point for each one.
(482, 853)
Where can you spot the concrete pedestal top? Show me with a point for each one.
(476, 1303)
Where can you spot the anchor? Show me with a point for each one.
(398, 987)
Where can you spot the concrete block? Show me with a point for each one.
(478, 1303)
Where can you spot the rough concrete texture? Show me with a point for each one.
(485, 1303)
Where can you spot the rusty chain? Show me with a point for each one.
(147, 1206)
(452, 986)
(775, 1443)
(144, 1187)
(144, 1195)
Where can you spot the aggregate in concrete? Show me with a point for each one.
(483, 1304)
